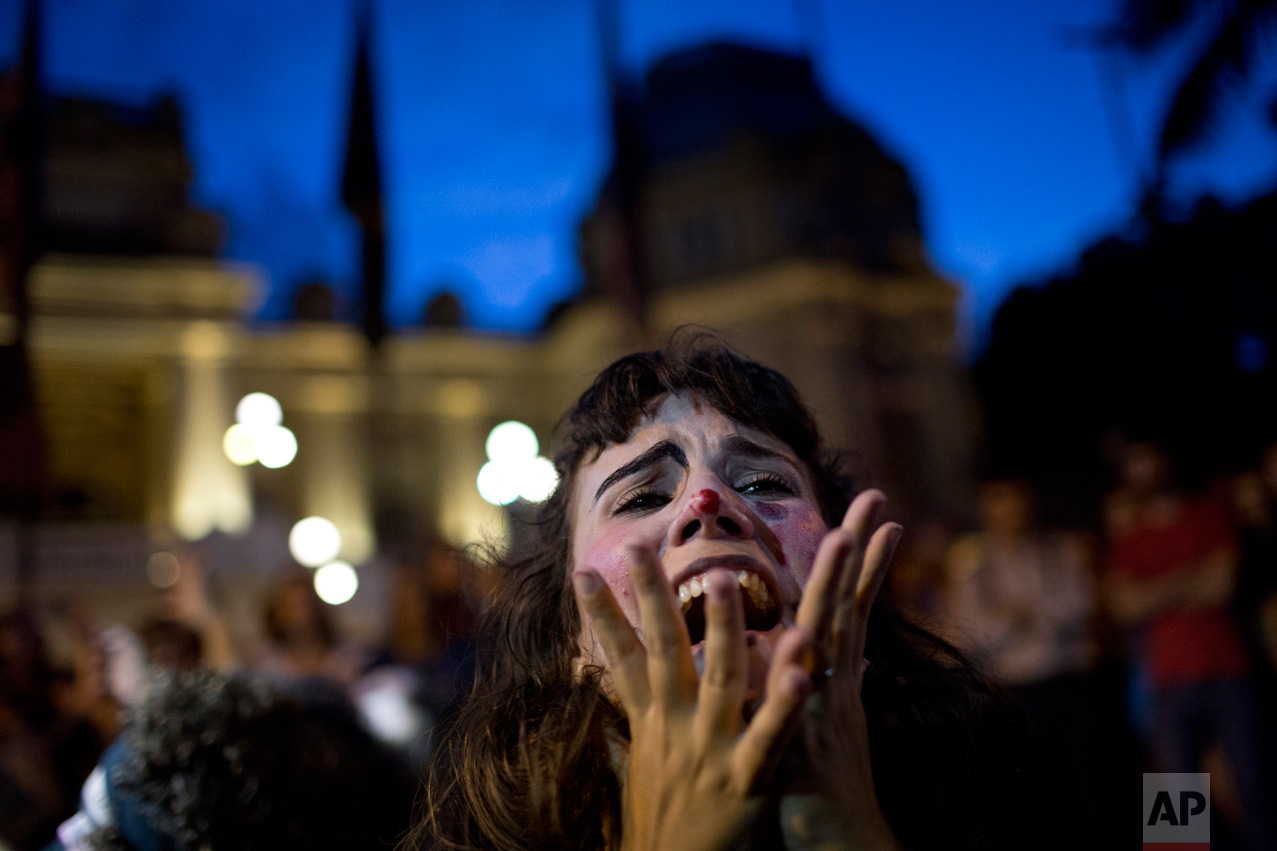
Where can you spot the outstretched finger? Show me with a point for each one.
(626, 658)
(861, 520)
(670, 670)
(722, 689)
(816, 610)
(764, 742)
(878, 555)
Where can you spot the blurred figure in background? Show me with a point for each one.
(26, 677)
(55, 722)
(31, 796)
(427, 662)
(171, 644)
(187, 604)
(433, 623)
(303, 642)
(1022, 603)
(916, 583)
(1173, 567)
(56, 719)
(216, 761)
(1255, 601)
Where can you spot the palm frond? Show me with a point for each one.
(1215, 77)
(1144, 25)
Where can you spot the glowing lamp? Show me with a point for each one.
(240, 445)
(336, 582)
(514, 469)
(276, 447)
(259, 410)
(538, 479)
(511, 441)
(314, 540)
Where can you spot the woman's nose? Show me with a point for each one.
(713, 515)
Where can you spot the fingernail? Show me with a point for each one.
(720, 585)
(586, 582)
(875, 514)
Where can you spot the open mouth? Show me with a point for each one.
(762, 612)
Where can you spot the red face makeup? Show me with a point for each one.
(705, 502)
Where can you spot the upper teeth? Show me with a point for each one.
(755, 587)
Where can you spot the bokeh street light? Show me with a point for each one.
(514, 469)
(258, 436)
(314, 540)
(336, 582)
(240, 445)
(259, 410)
(511, 441)
(276, 447)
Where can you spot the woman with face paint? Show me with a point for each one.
(688, 656)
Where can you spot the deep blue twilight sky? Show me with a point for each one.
(1024, 143)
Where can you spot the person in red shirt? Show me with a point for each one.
(1173, 570)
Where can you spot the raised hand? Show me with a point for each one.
(698, 776)
(829, 800)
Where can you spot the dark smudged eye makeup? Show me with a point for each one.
(766, 484)
(642, 498)
(649, 497)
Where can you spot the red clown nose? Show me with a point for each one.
(705, 502)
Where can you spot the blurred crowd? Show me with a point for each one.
(1146, 644)
(297, 680)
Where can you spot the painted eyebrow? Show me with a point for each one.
(658, 453)
(740, 445)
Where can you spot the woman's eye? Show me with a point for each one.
(641, 500)
(766, 484)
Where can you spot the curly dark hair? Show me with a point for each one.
(527, 760)
(213, 761)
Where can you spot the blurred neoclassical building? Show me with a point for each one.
(739, 199)
(744, 201)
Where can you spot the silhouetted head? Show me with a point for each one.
(1007, 507)
(209, 760)
(1146, 468)
(295, 615)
